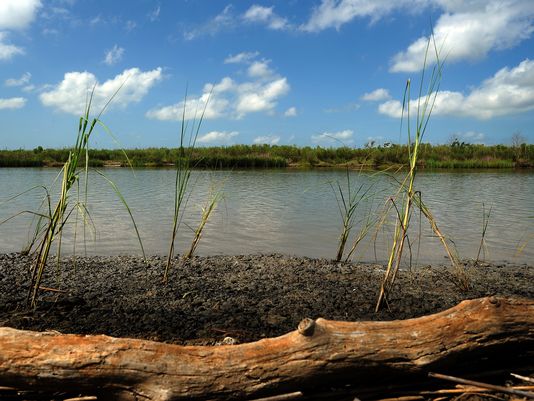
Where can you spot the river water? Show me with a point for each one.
(283, 211)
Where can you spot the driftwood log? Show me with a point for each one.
(478, 333)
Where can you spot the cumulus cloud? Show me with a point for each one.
(268, 139)
(18, 14)
(206, 105)
(265, 15)
(509, 91)
(244, 57)
(23, 80)
(470, 31)
(291, 112)
(229, 98)
(259, 69)
(377, 95)
(467, 30)
(12, 103)
(114, 55)
(340, 138)
(220, 137)
(254, 97)
(71, 93)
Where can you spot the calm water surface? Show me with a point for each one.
(290, 212)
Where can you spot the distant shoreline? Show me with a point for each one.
(392, 156)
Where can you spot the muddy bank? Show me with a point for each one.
(244, 297)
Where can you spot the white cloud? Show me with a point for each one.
(12, 103)
(470, 33)
(254, 97)
(70, 95)
(209, 106)
(23, 80)
(509, 91)
(265, 15)
(259, 69)
(244, 57)
(229, 98)
(221, 137)
(291, 112)
(7, 51)
(335, 13)
(470, 137)
(340, 138)
(114, 55)
(377, 95)
(18, 14)
(224, 20)
(228, 20)
(268, 139)
(467, 30)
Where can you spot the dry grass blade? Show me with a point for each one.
(215, 197)
(524, 378)
(502, 389)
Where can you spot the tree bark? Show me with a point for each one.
(471, 335)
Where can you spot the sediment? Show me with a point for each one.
(245, 297)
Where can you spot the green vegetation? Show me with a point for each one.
(184, 164)
(348, 200)
(454, 155)
(74, 168)
(407, 197)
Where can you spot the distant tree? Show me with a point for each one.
(518, 139)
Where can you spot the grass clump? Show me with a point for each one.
(348, 200)
(409, 196)
(184, 165)
(51, 224)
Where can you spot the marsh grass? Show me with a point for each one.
(349, 197)
(51, 223)
(409, 197)
(485, 221)
(184, 165)
(214, 197)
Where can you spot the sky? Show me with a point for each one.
(303, 72)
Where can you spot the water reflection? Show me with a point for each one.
(291, 212)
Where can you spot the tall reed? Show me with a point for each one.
(425, 106)
(188, 139)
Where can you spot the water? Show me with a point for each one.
(290, 212)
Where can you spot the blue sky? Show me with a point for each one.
(302, 72)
